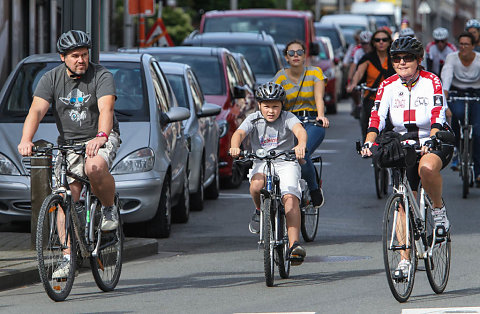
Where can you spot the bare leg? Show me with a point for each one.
(292, 212)
(429, 171)
(102, 182)
(256, 184)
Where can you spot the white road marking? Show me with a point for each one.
(334, 140)
(445, 310)
(234, 195)
(279, 313)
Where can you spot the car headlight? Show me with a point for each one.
(139, 161)
(7, 167)
(222, 128)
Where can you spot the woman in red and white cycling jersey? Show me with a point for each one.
(414, 101)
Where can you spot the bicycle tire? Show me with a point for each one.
(437, 266)
(381, 181)
(465, 164)
(107, 265)
(282, 250)
(401, 289)
(268, 242)
(49, 249)
(309, 218)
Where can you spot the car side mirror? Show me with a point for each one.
(314, 49)
(209, 110)
(174, 114)
(239, 92)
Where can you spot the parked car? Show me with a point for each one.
(258, 48)
(201, 131)
(335, 34)
(150, 168)
(222, 84)
(283, 25)
(352, 22)
(330, 71)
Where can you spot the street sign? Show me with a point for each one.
(424, 8)
(145, 7)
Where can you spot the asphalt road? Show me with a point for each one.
(213, 264)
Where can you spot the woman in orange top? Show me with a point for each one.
(373, 68)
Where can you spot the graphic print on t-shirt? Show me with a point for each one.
(77, 99)
(269, 140)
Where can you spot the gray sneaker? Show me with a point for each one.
(62, 270)
(254, 225)
(110, 218)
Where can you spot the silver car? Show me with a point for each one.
(150, 169)
(201, 131)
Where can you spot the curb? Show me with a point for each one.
(27, 273)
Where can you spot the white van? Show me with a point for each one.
(379, 10)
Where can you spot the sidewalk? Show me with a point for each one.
(18, 264)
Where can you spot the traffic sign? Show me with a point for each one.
(145, 7)
(424, 8)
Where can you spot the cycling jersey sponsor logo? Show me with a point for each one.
(421, 101)
(399, 103)
(438, 100)
(269, 141)
(437, 85)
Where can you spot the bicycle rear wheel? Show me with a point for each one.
(395, 247)
(107, 265)
(268, 242)
(282, 249)
(309, 218)
(438, 264)
(465, 163)
(50, 249)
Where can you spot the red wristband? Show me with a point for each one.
(102, 134)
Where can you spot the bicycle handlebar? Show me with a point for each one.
(78, 149)
(269, 155)
(365, 87)
(311, 120)
(467, 96)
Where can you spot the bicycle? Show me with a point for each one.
(309, 213)
(273, 226)
(80, 232)
(466, 142)
(381, 175)
(415, 238)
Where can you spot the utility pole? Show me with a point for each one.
(233, 4)
(289, 4)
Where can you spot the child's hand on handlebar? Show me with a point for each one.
(234, 152)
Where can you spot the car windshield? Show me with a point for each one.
(207, 68)
(330, 33)
(129, 106)
(19, 95)
(282, 29)
(179, 89)
(260, 57)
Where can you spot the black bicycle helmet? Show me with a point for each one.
(270, 91)
(407, 45)
(73, 39)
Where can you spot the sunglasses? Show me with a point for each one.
(299, 52)
(406, 58)
(384, 39)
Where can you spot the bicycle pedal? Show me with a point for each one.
(296, 260)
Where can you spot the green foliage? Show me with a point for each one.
(178, 23)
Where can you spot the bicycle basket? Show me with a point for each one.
(392, 154)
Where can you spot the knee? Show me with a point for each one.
(96, 169)
(426, 172)
(290, 202)
(256, 186)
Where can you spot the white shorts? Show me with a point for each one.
(289, 173)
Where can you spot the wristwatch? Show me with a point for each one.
(102, 134)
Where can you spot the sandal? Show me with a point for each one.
(296, 254)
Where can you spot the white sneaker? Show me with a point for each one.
(62, 270)
(110, 218)
(442, 225)
(402, 270)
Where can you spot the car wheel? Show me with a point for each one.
(196, 199)
(181, 212)
(160, 225)
(213, 190)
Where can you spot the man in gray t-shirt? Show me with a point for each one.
(82, 96)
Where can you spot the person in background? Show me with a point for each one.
(473, 27)
(437, 50)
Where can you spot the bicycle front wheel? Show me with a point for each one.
(283, 245)
(381, 181)
(56, 272)
(437, 264)
(107, 264)
(396, 247)
(268, 242)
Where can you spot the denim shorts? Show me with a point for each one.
(76, 162)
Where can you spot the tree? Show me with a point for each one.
(178, 23)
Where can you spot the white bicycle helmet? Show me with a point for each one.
(365, 36)
(472, 23)
(440, 33)
(406, 32)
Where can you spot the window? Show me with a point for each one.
(196, 91)
(160, 96)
